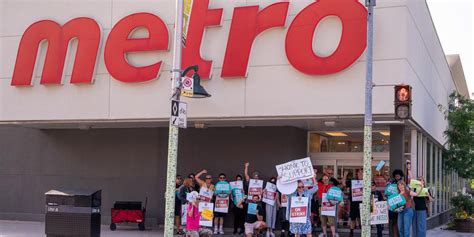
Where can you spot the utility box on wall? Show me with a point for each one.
(73, 213)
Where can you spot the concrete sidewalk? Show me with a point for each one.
(36, 229)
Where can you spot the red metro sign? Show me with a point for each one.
(247, 23)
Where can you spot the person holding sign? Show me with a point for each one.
(421, 200)
(405, 217)
(222, 193)
(355, 197)
(206, 184)
(377, 196)
(193, 216)
(397, 175)
(253, 217)
(301, 195)
(270, 198)
(323, 188)
(238, 194)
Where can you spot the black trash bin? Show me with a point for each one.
(73, 213)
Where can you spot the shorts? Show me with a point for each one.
(219, 214)
(177, 208)
(325, 220)
(250, 227)
(354, 211)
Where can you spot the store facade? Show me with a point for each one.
(83, 105)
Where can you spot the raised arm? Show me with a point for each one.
(246, 172)
(200, 181)
(344, 178)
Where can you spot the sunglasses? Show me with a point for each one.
(300, 187)
(208, 178)
(222, 177)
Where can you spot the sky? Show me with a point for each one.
(454, 23)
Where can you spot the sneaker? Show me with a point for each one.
(215, 231)
(221, 231)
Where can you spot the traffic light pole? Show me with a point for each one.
(173, 131)
(365, 214)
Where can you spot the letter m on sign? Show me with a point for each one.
(85, 30)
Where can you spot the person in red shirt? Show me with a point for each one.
(323, 187)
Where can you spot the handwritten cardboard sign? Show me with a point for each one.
(379, 214)
(295, 170)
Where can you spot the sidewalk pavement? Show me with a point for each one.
(36, 229)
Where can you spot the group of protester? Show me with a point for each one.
(252, 216)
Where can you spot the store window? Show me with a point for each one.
(347, 141)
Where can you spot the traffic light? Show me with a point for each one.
(402, 102)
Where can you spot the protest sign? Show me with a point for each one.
(252, 209)
(190, 197)
(222, 187)
(184, 211)
(237, 195)
(415, 185)
(299, 209)
(295, 170)
(284, 200)
(269, 196)
(237, 185)
(222, 204)
(424, 192)
(395, 202)
(335, 195)
(380, 182)
(357, 187)
(390, 190)
(255, 188)
(207, 213)
(379, 214)
(205, 194)
(327, 208)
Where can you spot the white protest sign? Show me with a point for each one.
(206, 213)
(380, 213)
(222, 204)
(295, 170)
(190, 197)
(269, 196)
(237, 184)
(327, 208)
(284, 200)
(299, 209)
(357, 189)
(255, 188)
(205, 194)
(184, 211)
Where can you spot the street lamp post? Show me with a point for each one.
(365, 217)
(173, 131)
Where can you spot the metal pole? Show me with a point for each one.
(368, 123)
(173, 131)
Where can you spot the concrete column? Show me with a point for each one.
(396, 147)
(396, 156)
